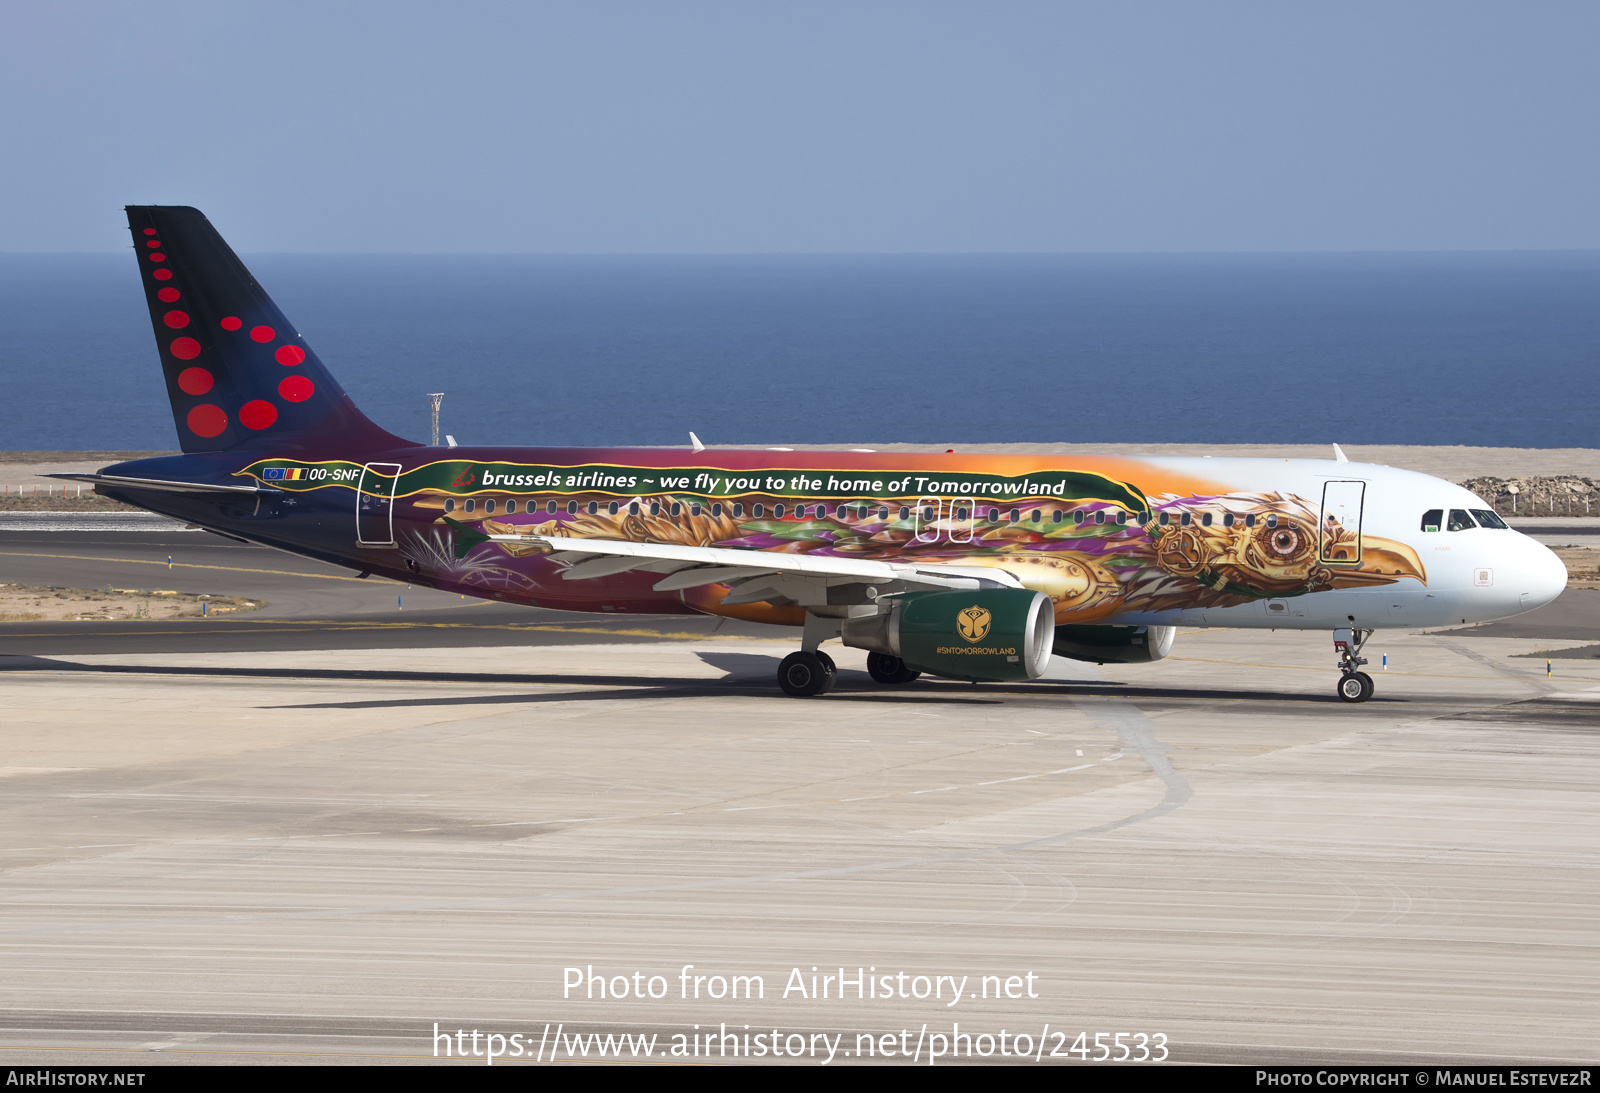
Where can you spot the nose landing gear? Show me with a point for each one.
(1354, 685)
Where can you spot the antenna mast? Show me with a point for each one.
(433, 400)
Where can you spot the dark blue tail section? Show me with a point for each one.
(239, 376)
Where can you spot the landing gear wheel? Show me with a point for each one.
(804, 674)
(884, 668)
(830, 667)
(1355, 687)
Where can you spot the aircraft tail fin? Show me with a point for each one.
(238, 374)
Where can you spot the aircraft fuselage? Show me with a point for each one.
(1269, 543)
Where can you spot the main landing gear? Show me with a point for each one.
(1354, 685)
(884, 668)
(804, 674)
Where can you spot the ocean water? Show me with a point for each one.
(1484, 349)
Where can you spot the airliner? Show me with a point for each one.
(968, 567)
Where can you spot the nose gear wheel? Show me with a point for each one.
(1355, 687)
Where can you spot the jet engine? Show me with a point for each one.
(1114, 644)
(990, 635)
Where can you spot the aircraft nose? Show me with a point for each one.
(1541, 575)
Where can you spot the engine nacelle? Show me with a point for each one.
(1114, 644)
(989, 635)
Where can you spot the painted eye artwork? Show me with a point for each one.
(1285, 541)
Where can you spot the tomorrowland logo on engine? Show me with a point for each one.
(973, 623)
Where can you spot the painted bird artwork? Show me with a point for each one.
(1094, 558)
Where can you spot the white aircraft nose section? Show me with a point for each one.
(1540, 575)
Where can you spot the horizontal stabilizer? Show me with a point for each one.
(163, 484)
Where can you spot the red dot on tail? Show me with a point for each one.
(231, 323)
(176, 319)
(162, 275)
(149, 231)
(207, 420)
(153, 243)
(158, 258)
(185, 349)
(257, 414)
(262, 333)
(290, 355)
(296, 388)
(167, 295)
(194, 381)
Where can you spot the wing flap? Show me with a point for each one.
(695, 566)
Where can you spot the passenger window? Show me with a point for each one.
(716, 508)
(1100, 516)
(1205, 519)
(449, 504)
(883, 513)
(572, 508)
(1055, 516)
(1122, 516)
(471, 505)
(1077, 516)
(1489, 519)
(511, 507)
(677, 508)
(655, 508)
(994, 516)
(1227, 519)
(1250, 520)
(694, 508)
(1165, 519)
(1036, 515)
(1272, 519)
(1460, 520)
(777, 512)
(1016, 516)
(612, 508)
(550, 508)
(905, 512)
(738, 511)
(1433, 520)
(633, 508)
(758, 510)
(594, 507)
(488, 506)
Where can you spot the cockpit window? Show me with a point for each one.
(1460, 520)
(1488, 519)
(1433, 520)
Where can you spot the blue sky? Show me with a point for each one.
(752, 127)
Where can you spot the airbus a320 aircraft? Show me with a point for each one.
(970, 567)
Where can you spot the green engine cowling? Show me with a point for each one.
(1114, 644)
(988, 635)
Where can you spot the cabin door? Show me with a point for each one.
(375, 504)
(1340, 529)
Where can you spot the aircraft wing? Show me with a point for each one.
(755, 575)
(163, 484)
